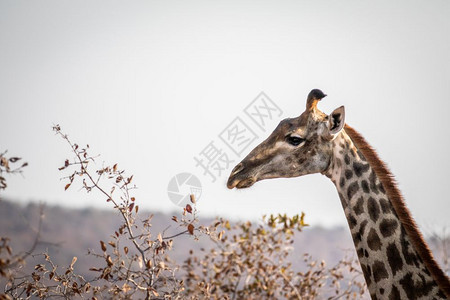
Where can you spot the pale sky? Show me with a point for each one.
(149, 84)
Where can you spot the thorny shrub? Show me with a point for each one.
(8, 259)
(246, 261)
(9, 165)
(251, 262)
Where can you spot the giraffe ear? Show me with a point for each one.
(336, 120)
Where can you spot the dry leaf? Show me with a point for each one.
(103, 245)
(191, 228)
(109, 261)
(74, 260)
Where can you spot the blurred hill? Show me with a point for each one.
(66, 233)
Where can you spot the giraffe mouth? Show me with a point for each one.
(240, 184)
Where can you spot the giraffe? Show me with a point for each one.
(395, 260)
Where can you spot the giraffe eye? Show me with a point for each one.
(294, 140)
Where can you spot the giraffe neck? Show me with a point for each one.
(392, 264)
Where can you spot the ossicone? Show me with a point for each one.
(313, 97)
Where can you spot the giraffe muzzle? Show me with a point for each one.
(238, 179)
(240, 184)
(237, 169)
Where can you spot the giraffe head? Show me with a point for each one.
(297, 146)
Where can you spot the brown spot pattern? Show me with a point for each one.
(373, 240)
(416, 289)
(395, 293)
(352, 222)
(388, 227)
(373, 184)
(348, 174)
(360, 252)
(347, 159)
(360, 168)
(357, 238)
(408, 286)
(385, 205)
(342, 182)
(373, 209)
(394, 258)
(362, 227)
(379, 271)
(366, 273)
(352, 189)
(410, 258)
(365, 186)
(381, 188)
(359, 206)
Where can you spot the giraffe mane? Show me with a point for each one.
(390, 185)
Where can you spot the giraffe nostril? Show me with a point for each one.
(237, 169)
